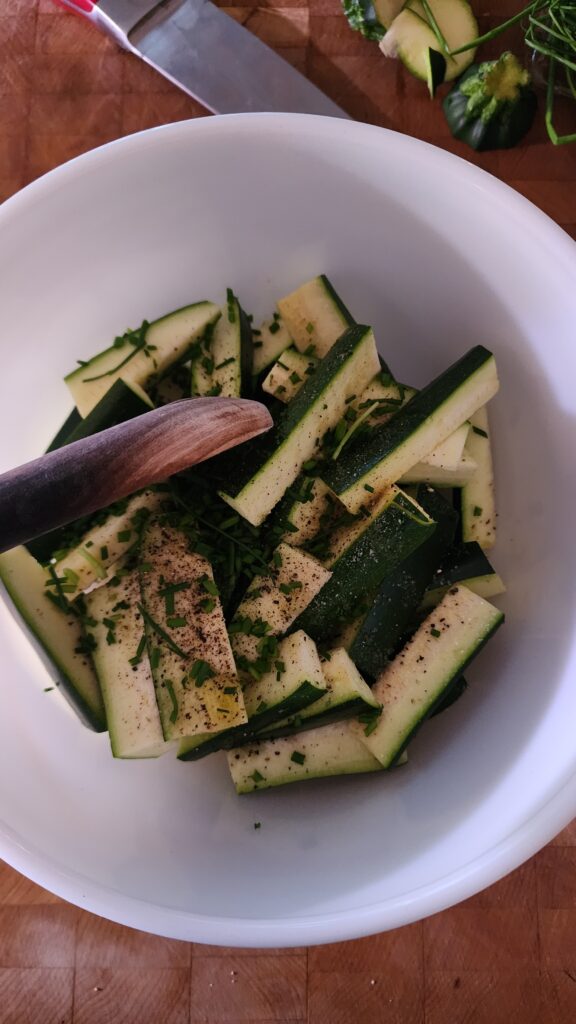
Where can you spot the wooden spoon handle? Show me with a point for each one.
(91, 473)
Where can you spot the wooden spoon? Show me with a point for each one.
(91, 473)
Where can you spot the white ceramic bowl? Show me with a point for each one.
(437, 256)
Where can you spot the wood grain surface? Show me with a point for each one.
(507, 956)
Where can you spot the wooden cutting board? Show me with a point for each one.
(507, 956)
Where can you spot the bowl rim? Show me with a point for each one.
(547, 819)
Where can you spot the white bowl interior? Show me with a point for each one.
(438, 257)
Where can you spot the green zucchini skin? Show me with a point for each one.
(241, 734)
(339, 713)
(388, 539)
(400, 594)
(368, 451)
(423, 674)
(66, 430)
(249, 458)
(461, 562)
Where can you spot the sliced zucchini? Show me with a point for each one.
(123, 669)
(466, 564)
(197, 688)
(58, 634)
(382, 399)
(294, 681)
(202, 365)
(419, 677)
(310, 506)
(329, 750)
(361, 555)
(266, 467)
(139, 356)
(448, 454)
(96, 555)
(411, 36)
(398, 598)
(288, 374)
(437, 476)
(477, 504)
(384, 455)
(270, 340)
(223, 362)
(271, 605)
(315, 316)
(347, 695)
(389, 397)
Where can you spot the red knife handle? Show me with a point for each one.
(85, 7)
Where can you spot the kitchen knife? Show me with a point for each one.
(207, 54)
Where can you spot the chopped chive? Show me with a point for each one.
(477, 510)
(309, 465)
(349, 399)
(479, 431)
(230, 690)
(225, 362)
(435, 632)
(371, 725)
(257, 777)
(155, 657)
(104, 552)
(124, 536)
(282, 365)
(274, 327)
(48, 689)
(310, 351)
(200, 672)
(229, 522)
(309, 328)
(257, 824)
(287, 588)
(208, 604)
(294, 377)
(297, 757)
(139, 651)
(209, 585)
(174, 713)
(161, 632)
(231, 305)
(176, 621)
(367, 487)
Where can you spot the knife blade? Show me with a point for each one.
(207, 54)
